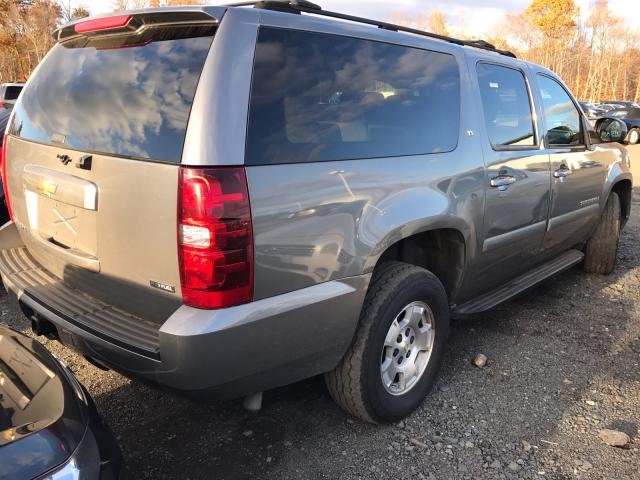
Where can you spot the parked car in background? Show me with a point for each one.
(606, 107)
(592, 110)
(5, 114)
(319, 198)
(622, 104)
(631, 117)
(9, 92)
(49, 425)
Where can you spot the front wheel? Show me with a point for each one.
(602, 248)
(398, 347)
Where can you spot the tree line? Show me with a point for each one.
(597, 55)
(26, 27)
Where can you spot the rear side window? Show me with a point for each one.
(321, 97)
(506, 106)
(114, 98)
(561, 115)
(12, 92)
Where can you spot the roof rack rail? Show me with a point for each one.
(300, 6)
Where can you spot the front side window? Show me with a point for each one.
(321, 97)
(506, 105)
(562, 116)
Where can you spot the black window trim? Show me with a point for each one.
(534, 116)
(455, 56)
(549, 146)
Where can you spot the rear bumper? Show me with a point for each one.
(205, 353)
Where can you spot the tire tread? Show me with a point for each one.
(345, 381)
(602, 248)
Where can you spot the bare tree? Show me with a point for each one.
(437, 23)
(80, 12)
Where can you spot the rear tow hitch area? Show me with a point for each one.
(39, 325)
(253, 403)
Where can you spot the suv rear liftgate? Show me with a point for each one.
(95, 147)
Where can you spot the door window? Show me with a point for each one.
(506, 105)
(562, 117)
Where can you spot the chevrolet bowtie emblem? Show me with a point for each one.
(48, 187)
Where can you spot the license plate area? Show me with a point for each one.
(67, 226)
(62, 214)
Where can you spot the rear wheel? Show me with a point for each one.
(633, 136)
(602, 248)
(398, 348)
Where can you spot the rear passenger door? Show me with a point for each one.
(517, 174)
(577, 172)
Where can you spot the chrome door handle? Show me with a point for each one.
(502, 182)
(562, 172)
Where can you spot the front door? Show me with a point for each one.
(517, 176)
(577, 172)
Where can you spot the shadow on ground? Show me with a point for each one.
(547, 350)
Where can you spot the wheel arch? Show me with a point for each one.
(624, 190)
(618, 179)
(442, 251)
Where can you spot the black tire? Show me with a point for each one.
(356, 384)
(633, 136)
(602, 248)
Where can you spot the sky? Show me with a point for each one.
(474, 17)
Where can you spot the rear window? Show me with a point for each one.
(321, 97)
(12, 92)
(129, 100)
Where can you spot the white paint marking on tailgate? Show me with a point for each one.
(32, 209)
(64, 220)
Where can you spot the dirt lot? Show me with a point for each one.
(563, 364)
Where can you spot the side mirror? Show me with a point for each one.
(611, 130)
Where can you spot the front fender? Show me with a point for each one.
(618, 170)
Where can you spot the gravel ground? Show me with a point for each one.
(562, 365)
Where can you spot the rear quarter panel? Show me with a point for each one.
(324, 221)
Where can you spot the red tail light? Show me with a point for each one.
(117, 21)
(3, 166)
(215, 237)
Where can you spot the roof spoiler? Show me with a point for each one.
(134, 22)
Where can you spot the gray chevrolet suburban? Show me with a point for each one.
(222, 200)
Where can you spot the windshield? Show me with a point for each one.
(132, 101)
